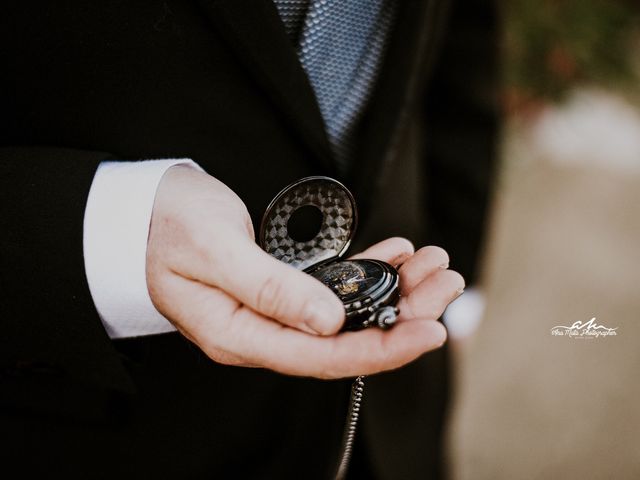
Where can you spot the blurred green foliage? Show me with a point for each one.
(551, 45)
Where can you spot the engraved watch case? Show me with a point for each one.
(309, 225)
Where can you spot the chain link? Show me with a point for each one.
(355, 403)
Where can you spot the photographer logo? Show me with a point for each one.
(583, 330)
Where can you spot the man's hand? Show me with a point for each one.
(242, 307)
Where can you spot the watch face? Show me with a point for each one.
(351, 279)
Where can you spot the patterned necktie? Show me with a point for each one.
(340, 46)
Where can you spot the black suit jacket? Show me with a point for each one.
(217, 81)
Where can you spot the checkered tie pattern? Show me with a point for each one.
(340, 45)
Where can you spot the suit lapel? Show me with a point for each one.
(254, 31)
(410, 51)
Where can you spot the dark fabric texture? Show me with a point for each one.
(217, 81)
(461, 114)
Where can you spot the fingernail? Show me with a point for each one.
(320, 316)
(459, 292)
(443, 266)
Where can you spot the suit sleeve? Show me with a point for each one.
(51, 332)
(462, 119)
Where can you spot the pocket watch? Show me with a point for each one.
(309, 225)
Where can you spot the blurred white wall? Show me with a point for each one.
(564, 246)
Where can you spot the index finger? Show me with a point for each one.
(394, 251)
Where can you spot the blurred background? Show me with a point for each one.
(563, 246)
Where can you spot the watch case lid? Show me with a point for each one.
(310, 222)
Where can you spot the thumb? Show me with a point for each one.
(274, 288)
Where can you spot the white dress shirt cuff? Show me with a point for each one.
(116, 229)
(463, 317)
